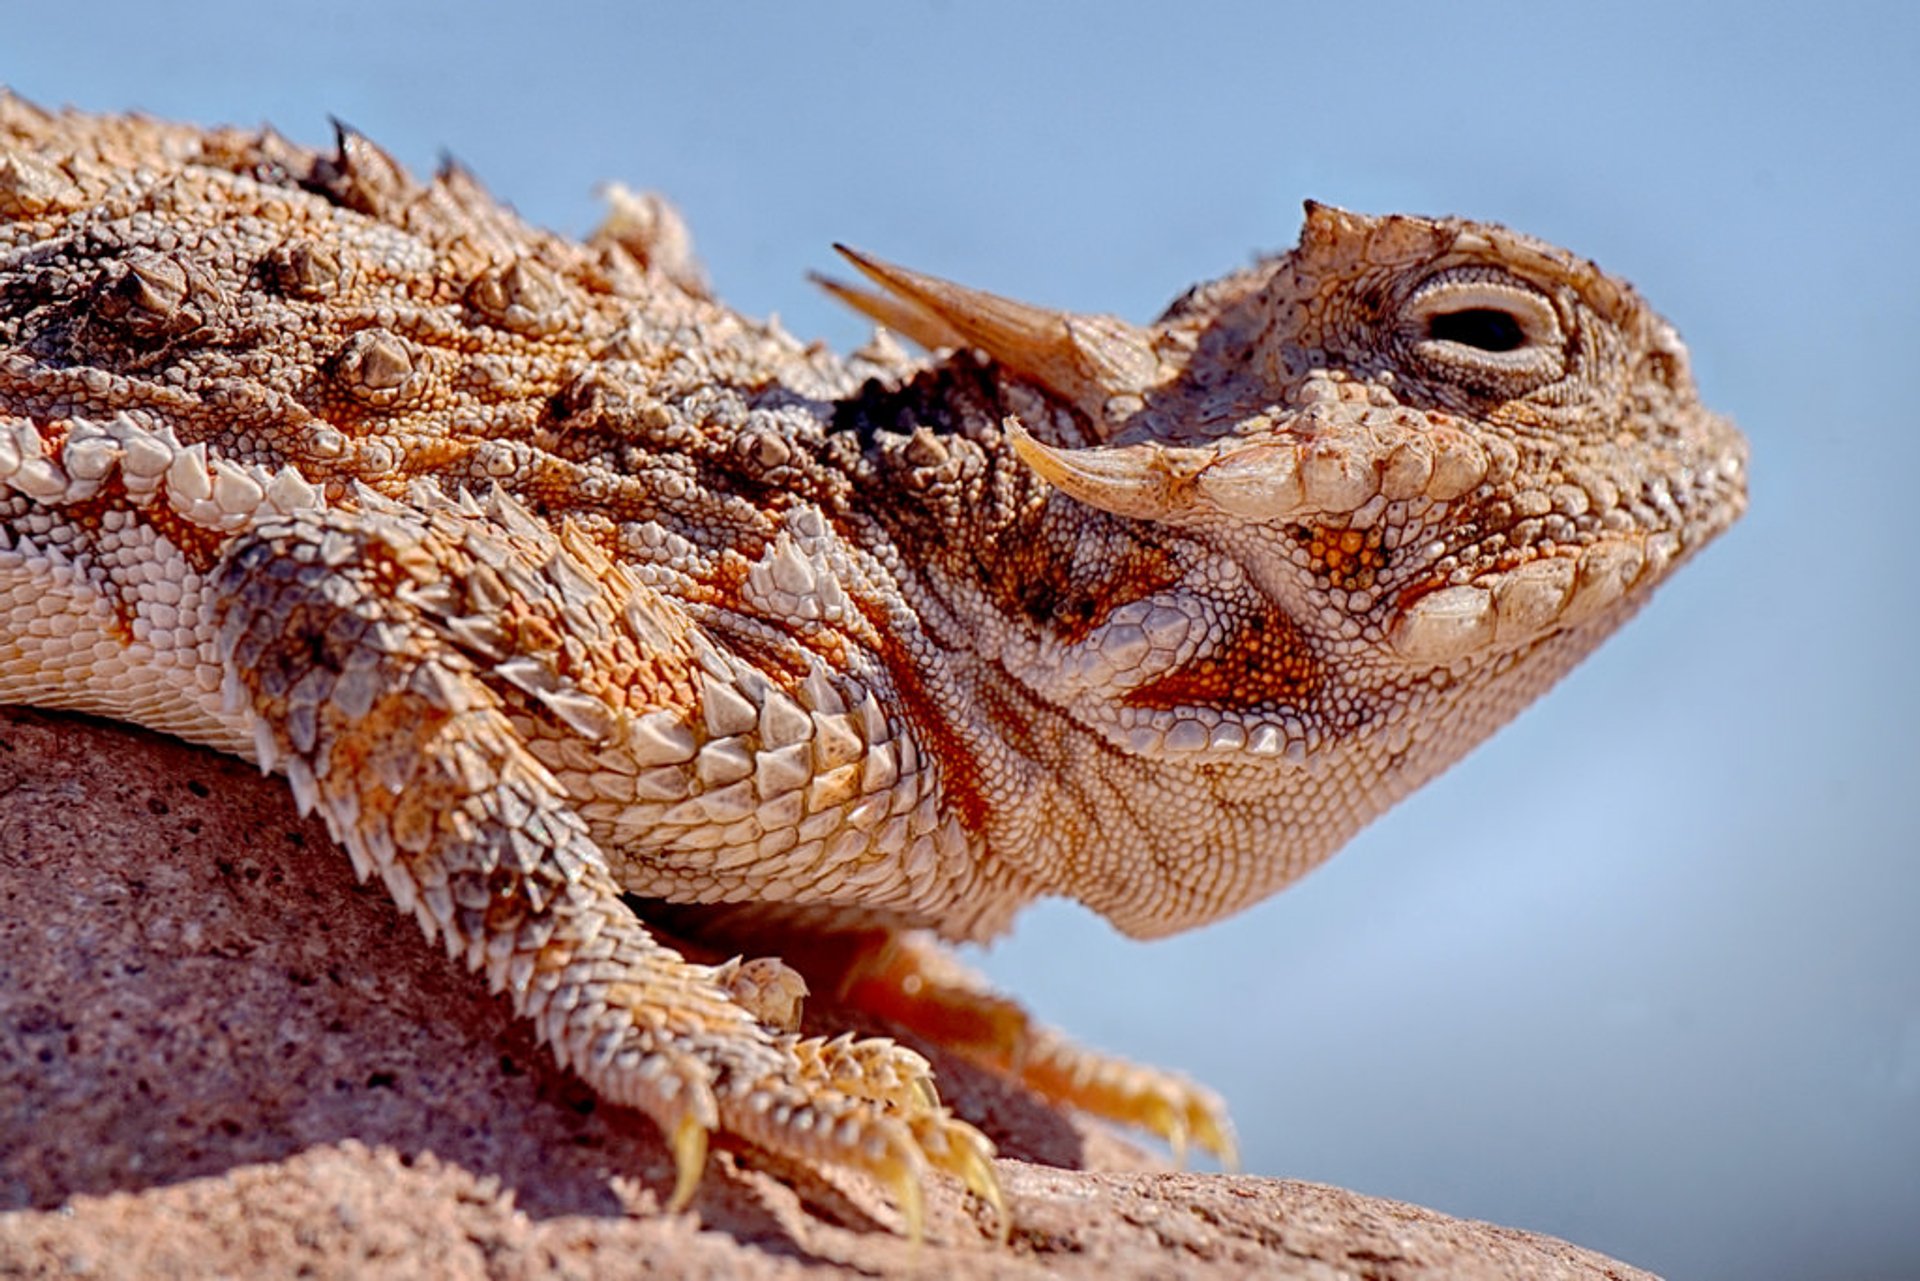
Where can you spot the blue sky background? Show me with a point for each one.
(1644, 972)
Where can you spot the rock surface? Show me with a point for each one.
(218, 1055)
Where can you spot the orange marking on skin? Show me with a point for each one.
(1350, 559)
(1414, 591)
(1267, 661)
(53, 434)
(434, 456)
(1136, 581)
(90, 514)
(959, 770)
(833, 648)
(533, 634)
(626, 675)
(726, 585)
(1520, 414)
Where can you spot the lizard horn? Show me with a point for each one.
(1086, 360)
(912, 323)
(1141, 482)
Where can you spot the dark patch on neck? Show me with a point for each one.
(1071, 567)
(935, 469)
(953, 398)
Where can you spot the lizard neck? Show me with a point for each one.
(982, 572)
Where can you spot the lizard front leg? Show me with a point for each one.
(393, 707)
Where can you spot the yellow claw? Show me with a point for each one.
(908, 1194)
(690, 1161)
(958, 1149)
(1198, 1121)
(1174, 1131)
(1163, 1117)
(1212, 1132)
(983, 1181)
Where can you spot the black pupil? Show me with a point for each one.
(1487, 328)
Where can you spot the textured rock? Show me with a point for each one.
(220, 1055)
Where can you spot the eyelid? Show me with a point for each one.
(1538, 361)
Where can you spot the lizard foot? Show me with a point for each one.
(887, 1131)
(907, 978)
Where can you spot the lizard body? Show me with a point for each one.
(558, 588)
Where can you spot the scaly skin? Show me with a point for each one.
(546, 579)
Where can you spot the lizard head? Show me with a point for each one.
(1403, 477)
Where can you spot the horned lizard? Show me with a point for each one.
(589, 612)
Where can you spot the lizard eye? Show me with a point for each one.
(1482, 329)
(1487, 328)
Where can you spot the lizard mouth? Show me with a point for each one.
(1497, 613)
(1553, 590)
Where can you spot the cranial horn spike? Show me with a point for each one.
(1086, 360)
(1259, 482)
(1141, 482)
(912, 322)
